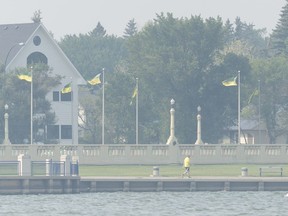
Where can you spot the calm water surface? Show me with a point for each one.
(160, 203)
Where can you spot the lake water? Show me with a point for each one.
(157, 203)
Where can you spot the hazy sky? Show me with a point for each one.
(63, 17)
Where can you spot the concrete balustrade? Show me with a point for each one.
(150, 154)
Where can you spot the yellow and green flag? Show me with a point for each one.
(230, 82)
(25, 77)
(254, 93)
(66, 89)
(96, 80)
(135, 93)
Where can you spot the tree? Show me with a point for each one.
(252, 39)
(185, 59)
(92, 116)
(37, 16)
(99, 31)
(274, 98)
(175, 59)
(90, 55)
(279, 37)
(16, 93)
(131, 28)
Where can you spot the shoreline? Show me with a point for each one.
(92, 184)
(195, 183)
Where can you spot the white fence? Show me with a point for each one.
(151, 154)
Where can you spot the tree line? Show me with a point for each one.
(185, 59)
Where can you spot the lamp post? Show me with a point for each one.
(172, 139)
(199, 140)
(17, 44)
(6, 128)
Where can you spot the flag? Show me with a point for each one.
(25, 77)
(96, 80)
(66, 89)
(135, 93)
(254, 93)
(230, 82)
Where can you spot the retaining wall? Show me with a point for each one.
(69, 185)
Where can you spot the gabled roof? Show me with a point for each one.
(11, 35)
(247, 124)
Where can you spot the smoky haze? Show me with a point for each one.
(73, 17)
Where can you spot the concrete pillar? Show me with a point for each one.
(172, 140)
(48, 166)
(126, 186)
(26, 186)
(199, 139)
(227, 186)
(65, 165)
(6, 127)
(244, 171)
(24, 165)
(93, 186)
(50, 186)
(156, 171)
(159, 186)
(193, 186)
(68, 186)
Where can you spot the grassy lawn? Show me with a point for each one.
(175, 170)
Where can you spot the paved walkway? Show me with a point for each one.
(198, 178)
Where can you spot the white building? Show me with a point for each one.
(21, 44)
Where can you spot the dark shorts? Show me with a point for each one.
(187, 169)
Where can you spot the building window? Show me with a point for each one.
(66, 131)
(66, 96)
(37, 40)
(53, 132)
(56, 96)
(37, 58)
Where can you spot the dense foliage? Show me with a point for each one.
(280, 33)
(16, 94)
(181, 58)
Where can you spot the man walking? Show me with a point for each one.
(186, 165)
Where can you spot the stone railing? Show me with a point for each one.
(151, 154)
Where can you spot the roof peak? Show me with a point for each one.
(11, 34)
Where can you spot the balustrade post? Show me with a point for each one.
(24, 165)
(172, 140)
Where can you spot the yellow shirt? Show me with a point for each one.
(187, 162)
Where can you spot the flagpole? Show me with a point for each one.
(259, 115)
(31, 109)
(103, 106)
(72, 110)
(137, 138)
(239, 109)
